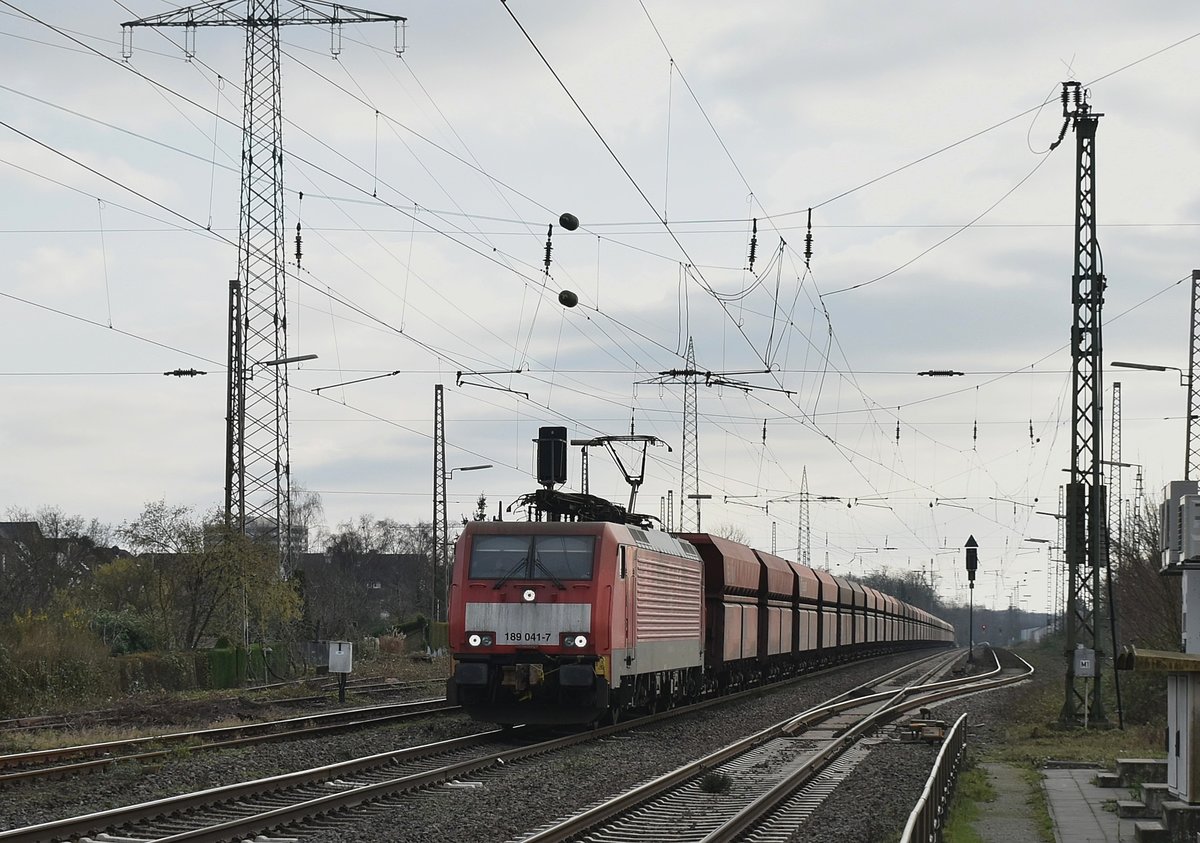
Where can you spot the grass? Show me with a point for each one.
(1038, 804)
(972, 788)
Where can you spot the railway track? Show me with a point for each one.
(763, 787)
(248, 809)
(366, 687)
(69, 760)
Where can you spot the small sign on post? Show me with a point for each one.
(1085, 663)
(341, 661)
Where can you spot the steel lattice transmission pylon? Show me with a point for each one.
(805, 542)
(258, 462)
(441, 526)
(689, 483)
(1085, 512)
(1191, 465)
(1116, 515)
(1060, 568)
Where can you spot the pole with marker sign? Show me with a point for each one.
(341, 661)
(972, 564)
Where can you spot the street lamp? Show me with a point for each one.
(697, 499)
(1150, 367)
(450, 473)
(444, 550)
(234, 424)
(1191, 431)
(283, 361)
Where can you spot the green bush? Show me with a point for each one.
(226, 667)
(52, 663)
(439, 635)
(274, 666)
(124, 632)
(157, 672)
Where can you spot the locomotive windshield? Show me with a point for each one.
(553, 558)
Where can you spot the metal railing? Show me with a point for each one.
(928, 818)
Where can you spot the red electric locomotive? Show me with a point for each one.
(565, 622)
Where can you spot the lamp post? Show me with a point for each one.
(285, 530)
(235, 470)
(1191, 429)
(444, 550)
(697, 499)
(283, 361)
(972, 548)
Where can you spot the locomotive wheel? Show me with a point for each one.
(611, 717)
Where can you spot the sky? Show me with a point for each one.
(941, 239)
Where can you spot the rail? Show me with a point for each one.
(927, 818)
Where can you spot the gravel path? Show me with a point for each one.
(871, 805)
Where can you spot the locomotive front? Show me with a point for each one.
(530, 609)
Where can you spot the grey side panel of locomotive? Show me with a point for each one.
(540, 623)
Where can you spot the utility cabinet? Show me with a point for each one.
(1177, 524)
(1183, 736)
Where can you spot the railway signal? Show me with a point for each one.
(972, 548)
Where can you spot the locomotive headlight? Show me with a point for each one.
(529, 595)
(480, 639)
(574, 640)
(474, 639)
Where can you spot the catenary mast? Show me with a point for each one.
(1085, 512)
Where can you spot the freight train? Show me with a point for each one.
(576, 622)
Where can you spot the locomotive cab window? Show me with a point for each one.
(553, 558)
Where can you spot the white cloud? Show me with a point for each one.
(809, 99)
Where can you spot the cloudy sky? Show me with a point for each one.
(942, 238)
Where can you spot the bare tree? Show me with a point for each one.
(732, 532)
(1149, 605)
(308, 511)
(44, 552)
(374, 573)
(200, 581)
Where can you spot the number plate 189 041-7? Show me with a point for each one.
(526, 637)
